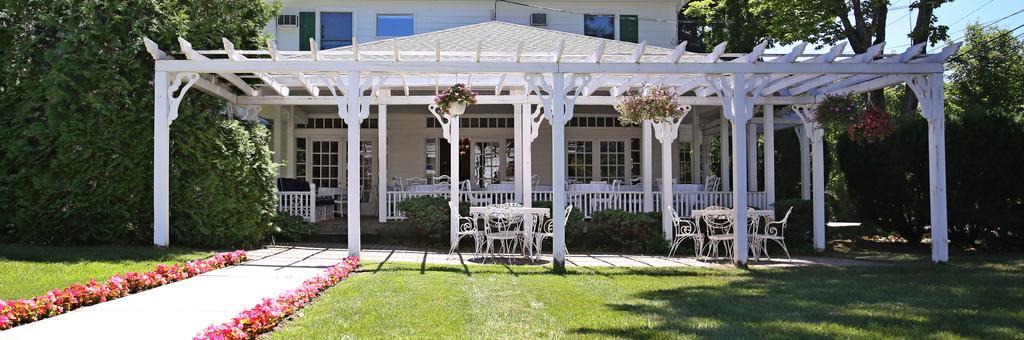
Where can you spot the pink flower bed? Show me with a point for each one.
(22, 311)
(262, 318)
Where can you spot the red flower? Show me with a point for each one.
(55, 302)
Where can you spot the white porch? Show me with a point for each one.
(545, 81)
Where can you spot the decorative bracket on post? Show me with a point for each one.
(180, 83)
(536, 118)
(444, 120)
(812, 130)
(754, 86)
(354, 110)
(922, 87)
(539, 85)
(666, 131)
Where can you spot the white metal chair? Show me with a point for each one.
(329, 211)
(547, 230)
(467, 227)
(718, 224)
(774, 231)
(711, 183)
(414, 181)
(607, 199)
(682, 230)
(503, 226)
(440, 179)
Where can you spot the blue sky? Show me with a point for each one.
(957, 15)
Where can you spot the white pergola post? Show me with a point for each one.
(752, 157)
(450, 131)
(769, 154)
(527, 134)
(931, 95)
(647, 165)
(667, 132)
(696, 140)
(353, 107)
(517, 145)
(738, 108)
(165, 110)
(723, 152)
(558, 109)
(382, 161)
(805, 163)
(815, 134)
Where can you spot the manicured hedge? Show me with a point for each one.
(76, 133)
(628, 232)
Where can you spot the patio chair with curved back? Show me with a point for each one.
(718, 224)
(682, 230)
(467, 227)
(547, 230)
(712, 183)
(774, 231)
(502, 225)
(443, 179)
(606, 200)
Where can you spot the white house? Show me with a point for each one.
(544, 128)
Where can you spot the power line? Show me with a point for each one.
(985, 25)
(985, 44)
(972, 12)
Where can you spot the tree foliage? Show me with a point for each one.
(76, 134)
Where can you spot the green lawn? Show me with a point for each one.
(976, 299)
(26, 271)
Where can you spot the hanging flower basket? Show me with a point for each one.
(652, 103)
(874, 125)
(838, 112)
(847, 113)
(454, 100)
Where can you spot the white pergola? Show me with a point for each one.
(555, 73)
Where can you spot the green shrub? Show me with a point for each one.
(77, 126)
(628, 232)
(432, 215)
(291, 228)
(800, 227)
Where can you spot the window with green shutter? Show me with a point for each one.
(307, 29)
(629, 28)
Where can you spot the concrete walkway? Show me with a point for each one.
(182, 309)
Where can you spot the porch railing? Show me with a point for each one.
(589, 202)
(298, 203)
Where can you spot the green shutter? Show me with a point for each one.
(307, 29)
(628, 28)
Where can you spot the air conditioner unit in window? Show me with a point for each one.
(287, 20)
(538, 19)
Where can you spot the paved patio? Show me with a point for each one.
(381, 253)
(180, 310)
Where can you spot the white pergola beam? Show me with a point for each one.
(194, 56)
(288, 66)
(503, 100)
(301, 78)
(266, 78)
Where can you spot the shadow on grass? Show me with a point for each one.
(63, 254)
(909, 301)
